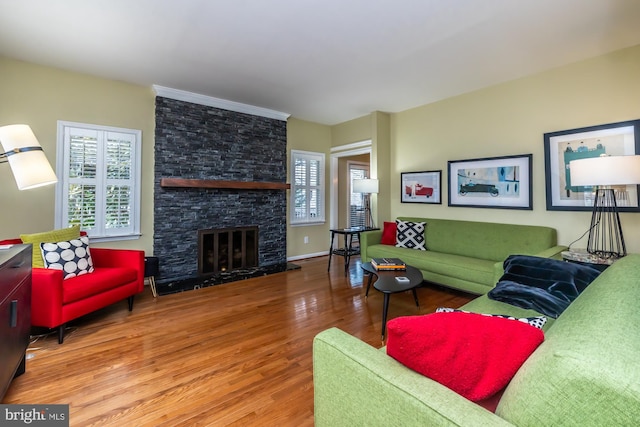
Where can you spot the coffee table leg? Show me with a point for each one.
(366, 294)
(385, 309)
(415, 297)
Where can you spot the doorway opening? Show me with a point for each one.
(357, 214)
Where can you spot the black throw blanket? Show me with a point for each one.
(545, 285)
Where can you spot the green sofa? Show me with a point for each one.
(585, 373)
(465, 255)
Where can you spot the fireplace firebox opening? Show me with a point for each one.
(227, 249)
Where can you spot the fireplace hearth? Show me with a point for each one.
(171, 286)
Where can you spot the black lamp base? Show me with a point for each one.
(605, 235)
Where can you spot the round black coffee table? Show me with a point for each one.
(388, 285)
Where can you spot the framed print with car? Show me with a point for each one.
(421, 187)
(494, 182)
(560, 148)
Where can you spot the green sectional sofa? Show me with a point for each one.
(585, 373)
(465, 255)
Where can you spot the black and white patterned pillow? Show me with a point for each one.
(72, 257)
(536, 322)
(410, 235)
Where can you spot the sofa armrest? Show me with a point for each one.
(368, 238)
(129, 258)
(356, 384)
(554, 252)
(47, 297)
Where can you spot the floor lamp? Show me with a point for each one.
(25, 156)
(605, 233)
(366, 187)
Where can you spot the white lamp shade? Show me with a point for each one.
(605, 170)
(30, 168)
(368, 186)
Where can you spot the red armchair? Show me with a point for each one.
(118, 274)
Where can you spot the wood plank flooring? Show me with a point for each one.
(237, 354)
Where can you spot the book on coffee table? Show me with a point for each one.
(388, 264)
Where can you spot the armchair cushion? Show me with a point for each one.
(91, 284)
(73, 257)
(48, 236)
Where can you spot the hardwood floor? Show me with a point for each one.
(237, 354)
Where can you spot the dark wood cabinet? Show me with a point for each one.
(15, 312)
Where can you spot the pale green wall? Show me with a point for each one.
(40, 96)
(308, 136)
(510, 119)
(355, 130)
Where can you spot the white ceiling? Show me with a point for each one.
(326, 61)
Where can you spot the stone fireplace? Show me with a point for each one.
(216, 169)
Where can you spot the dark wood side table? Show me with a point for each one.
(388, 285)
(348, 250)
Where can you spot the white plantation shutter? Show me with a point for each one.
(119, 180)
(308, 187)
(81, 178)
(99, 179)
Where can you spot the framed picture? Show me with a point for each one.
(421, 187)
(495, 182)
(615, 139)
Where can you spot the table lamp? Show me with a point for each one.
(605, 233)
(366, 186)
(25, 156)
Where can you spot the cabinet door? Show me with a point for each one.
(15, 326)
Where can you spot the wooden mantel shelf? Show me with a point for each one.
(211, 183)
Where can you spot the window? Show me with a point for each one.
(307, 192)
(98, 169)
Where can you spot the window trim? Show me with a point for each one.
(62, 168)
(295, 154)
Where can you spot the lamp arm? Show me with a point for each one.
(3, 156)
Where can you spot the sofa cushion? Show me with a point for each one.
(389, 233)
(410, 235)
(483, 304)
(101, 280)
(472, 354)
(444, 268)
(73, 257)
(490, 241)
(48, 236)
(536, 321)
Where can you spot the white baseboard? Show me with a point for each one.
(297, 257)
